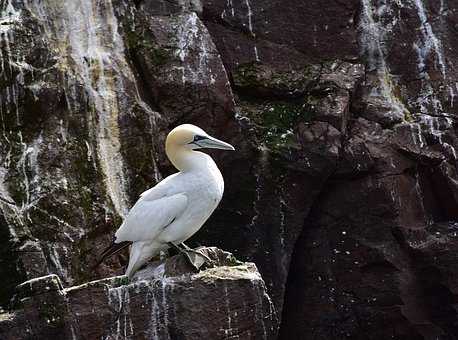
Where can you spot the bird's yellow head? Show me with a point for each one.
(192, 137)
(183, 139)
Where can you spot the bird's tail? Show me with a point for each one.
(113, 249)
(141, 253)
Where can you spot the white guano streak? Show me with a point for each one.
(99, 78)
(191, 37)
(372, 36)
(15, 213)
(250, 27)
(86, 36)
(429, 43)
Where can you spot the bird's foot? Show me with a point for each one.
(195, 257)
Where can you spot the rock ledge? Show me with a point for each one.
(166, 300)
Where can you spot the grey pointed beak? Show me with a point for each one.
(213, 143)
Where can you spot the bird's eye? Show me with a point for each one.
(198, 138)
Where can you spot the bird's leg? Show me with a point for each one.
(185, 246)
(174, 246)
(194, 257)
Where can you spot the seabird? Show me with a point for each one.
(176, 208)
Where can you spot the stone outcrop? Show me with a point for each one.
(166, 300)
(343, 187)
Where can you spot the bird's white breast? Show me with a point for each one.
(204, 189)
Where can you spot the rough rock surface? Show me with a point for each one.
(166, 300)
(343, 189)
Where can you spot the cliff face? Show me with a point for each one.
(343, 189)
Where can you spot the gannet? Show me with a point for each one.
(176, 208)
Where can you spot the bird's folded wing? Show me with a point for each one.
(161, 189)
(148, 218)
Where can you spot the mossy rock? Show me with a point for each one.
(276, 121)
(140, 42)
(262, 80)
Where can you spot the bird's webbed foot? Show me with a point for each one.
(194, 256)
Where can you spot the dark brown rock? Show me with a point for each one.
(265, 20)
(165, 300)
(344, 119)
(371, 238)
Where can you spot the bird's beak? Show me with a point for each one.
(213, 143)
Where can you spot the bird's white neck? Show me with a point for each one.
(185, 159)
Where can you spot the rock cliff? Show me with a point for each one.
(343, 189)
(163, 301)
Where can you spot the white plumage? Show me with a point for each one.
(178, 206)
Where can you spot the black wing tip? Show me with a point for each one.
(111, 250)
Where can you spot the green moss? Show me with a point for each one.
(136, 40)
(132, 39)
(140, 42)
(276, 122)
(159, 56)
(120, 281)
(408, 117)
(246, 75)
(280, 120)
(396, 96)
(259, 77)
(283, 115)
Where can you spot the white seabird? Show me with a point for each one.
(176, 208)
